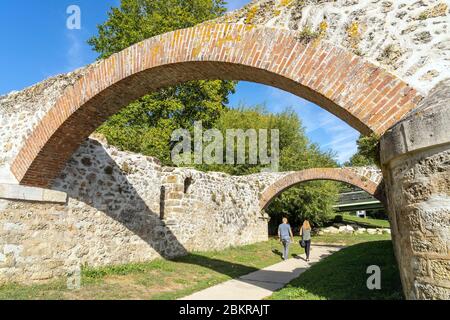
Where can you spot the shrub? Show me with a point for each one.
(338, 219)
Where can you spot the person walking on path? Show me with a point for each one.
(305, 233)
(286, 237)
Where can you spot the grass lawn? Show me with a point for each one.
(342, 276)
(172, 279)
(366, 222)
(346, 239)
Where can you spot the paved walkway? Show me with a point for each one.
(261, 284)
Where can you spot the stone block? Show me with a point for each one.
(428, 291)
(331, 230)
(172, 179)
(54, 196)
(346, 229)
(408, 136)
(420, 266)
(421, 244)
(175, 196)
(18, 192)
(440, 269)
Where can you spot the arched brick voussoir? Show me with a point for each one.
(369, 183)
(366, 97)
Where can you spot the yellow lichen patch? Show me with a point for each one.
(196, 51)
(249, 27)
(354, 36)
(320, 33)
(176, 36)
(279, 8)
(155, 50)
(323, 27)
(438, 10)
(353, 30)
(285, 3)
(251, 14)
(228, 38)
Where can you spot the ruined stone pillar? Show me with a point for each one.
(415, 156)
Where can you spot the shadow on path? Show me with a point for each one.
(343, 275)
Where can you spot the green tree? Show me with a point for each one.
(245, 118)
(145, 126)
(312, 200)
(137, 20)
(296, 152)
(368, 152)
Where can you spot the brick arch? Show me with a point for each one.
(360, 93)
(367, 180)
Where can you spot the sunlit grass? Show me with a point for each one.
(367, 222)
(343, 276)
(170, 279)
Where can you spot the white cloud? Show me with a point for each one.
(323, 121)
(343, 140)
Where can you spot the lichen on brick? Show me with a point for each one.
(228, 38)
(196, 51)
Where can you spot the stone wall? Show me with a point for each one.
(111, 207)
(369, 179)
(416, 165)
(365, 96)
(114, 215)
(408, 38)
(21, 111)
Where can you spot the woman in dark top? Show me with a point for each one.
(305, 233)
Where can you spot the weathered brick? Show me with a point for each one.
(367, 181)
(330, 76)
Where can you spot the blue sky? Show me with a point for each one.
(36, 45)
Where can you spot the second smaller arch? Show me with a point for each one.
(368, 179)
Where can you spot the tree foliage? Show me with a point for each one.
(296, 151)
(312, 200)
(368, 152)
(137, 20)
(145, 126)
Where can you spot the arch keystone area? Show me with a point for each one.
(367, 179)
(360, 93)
